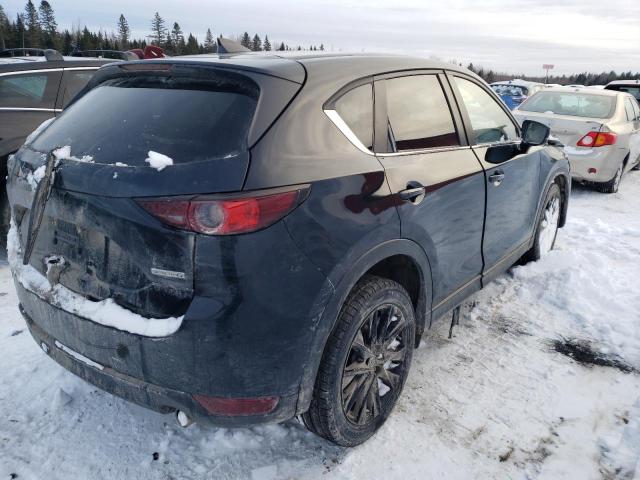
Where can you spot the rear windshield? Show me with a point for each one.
(187, 120)
(571, 103)
(510, 90)
(635, 91)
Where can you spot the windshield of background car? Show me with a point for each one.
(186, 119)
(575, 104)
(510, 90)
(635, 91)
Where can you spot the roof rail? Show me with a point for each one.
(226, 45)
(150, 51)
(22, 52)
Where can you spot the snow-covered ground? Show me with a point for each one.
(496, 401)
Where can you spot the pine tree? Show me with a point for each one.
(177, 38)
(158, 30)
(256, 43)
(123, 32)
(48, 24)
(4, 27)
(246, 40)
(281, 47)
(267, 44)
(32, 25)
(209, 43)
(321, 47)
(192, 46)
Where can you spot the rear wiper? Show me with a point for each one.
(43, 191)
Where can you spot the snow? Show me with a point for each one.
(105, 312)
(494, 402)
(158, 161)
(33, 178)
(64, 153)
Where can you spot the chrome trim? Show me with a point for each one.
(68, 69)
(456, 292)
(346, 131)
(26, 72)
(425, 151)
(494, 144)
(30, 109)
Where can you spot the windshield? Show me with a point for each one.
(510, 90)
(635, 91)
(187, 120)
(571, 103)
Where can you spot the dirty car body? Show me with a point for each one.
(158, 303)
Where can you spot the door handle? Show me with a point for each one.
(496, 178)
(414, 192)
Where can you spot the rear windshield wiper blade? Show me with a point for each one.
(43, 191)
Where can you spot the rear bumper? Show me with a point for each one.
(605, 160)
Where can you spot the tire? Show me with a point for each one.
(637, 165)
(355, 365)
(547, 227)
(612, 185)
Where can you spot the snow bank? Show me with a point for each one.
(105, 312)
(158, 161)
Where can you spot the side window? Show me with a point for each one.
(356, 109)
(628, 106)
(26, 90)
(419, 115)
(636, 109)
(74, 82)
(488, 120)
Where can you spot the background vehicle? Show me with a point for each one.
(629, 86)
(280, 248)
(514, 92)
(599, 128)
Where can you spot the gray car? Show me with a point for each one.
(600, 130)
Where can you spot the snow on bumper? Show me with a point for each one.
(105, 312)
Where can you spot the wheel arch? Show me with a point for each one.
(400, 260)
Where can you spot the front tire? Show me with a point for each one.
(365, 363)
(547, 227)
(612, 185)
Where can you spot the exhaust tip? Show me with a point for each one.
(183, 419)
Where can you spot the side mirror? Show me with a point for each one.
(534, 133)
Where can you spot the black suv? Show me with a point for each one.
(35, 85)
(245, 238)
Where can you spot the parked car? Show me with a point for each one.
(241, 239)
(35, 85)
(629, 86)
(514, 92)
(599, 128)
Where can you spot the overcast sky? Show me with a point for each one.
(514, 36)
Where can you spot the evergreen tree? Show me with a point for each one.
(4, 28)
(192, 46)
(322, 47)
(246, 40)
(281, 47)
(209, 43)
(267, 44)
(32, 25)
(48, 24)
(256, 43)
(158, 30)
(123, 32)
(177, 38)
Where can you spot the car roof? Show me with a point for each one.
(517, 82)
(586, 90)
(17, 64)
(624, 82)
(295, 65)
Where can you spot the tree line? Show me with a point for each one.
(36, 27)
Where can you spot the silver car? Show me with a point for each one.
(600, 130)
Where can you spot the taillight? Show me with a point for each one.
(224, 216)
(597, 139)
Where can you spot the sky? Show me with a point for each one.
(505, 35)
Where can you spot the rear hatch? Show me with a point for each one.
(170, 130)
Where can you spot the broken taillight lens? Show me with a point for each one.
(224, 216)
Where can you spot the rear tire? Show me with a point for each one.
(612, 185)
(547, 227)
(365, 363)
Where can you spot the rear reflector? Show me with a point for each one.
(597, 139)
(220, 216)
(237, 406)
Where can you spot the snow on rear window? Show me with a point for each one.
(571, 103)
(187, 120)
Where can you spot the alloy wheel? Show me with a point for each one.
(549, 225)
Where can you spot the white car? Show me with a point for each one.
(600, 130)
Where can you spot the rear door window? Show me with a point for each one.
(628, 107)
(356, 109)
(74, 81)
(419, 115)
(488, 120)
(186, 119)
(29, 90)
